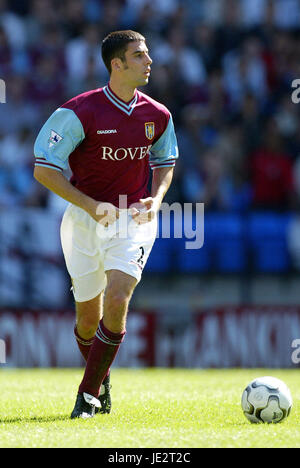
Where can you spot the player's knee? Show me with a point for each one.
(116, 300)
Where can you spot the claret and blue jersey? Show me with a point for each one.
(109, 144)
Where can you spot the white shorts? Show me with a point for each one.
(90, 249)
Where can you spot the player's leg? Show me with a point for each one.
(84, 266)
(114, 303)
(119, 290)
(88, 316)
(106, 344)
(124, 259)
(83, 261)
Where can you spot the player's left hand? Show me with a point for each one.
(144, 211)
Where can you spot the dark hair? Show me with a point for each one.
(114, 45)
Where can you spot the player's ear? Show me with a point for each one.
(116, 64)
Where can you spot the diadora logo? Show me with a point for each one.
(106, 132)
(139, 152)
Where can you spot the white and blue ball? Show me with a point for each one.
(266, 400)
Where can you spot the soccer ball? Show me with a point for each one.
(266, 399)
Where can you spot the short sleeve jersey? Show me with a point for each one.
(108, 144)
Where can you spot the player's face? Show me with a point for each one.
(137, 65)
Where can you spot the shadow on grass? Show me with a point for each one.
(34, 419)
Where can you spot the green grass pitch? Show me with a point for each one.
(156, 408)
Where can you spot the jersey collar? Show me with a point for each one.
(126, 107)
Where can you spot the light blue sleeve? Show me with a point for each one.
(59, 136)
(165, 151)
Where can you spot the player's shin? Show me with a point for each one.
(102, 354)
(84, 347)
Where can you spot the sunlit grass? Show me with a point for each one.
(154, 408)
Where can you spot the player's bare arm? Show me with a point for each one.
(57, 183)
(161, 181)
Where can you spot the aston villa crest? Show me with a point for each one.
(149, 130)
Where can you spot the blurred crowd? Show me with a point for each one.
(224, 68)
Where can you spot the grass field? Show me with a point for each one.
(155, 408)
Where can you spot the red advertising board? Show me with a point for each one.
(221, 337)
